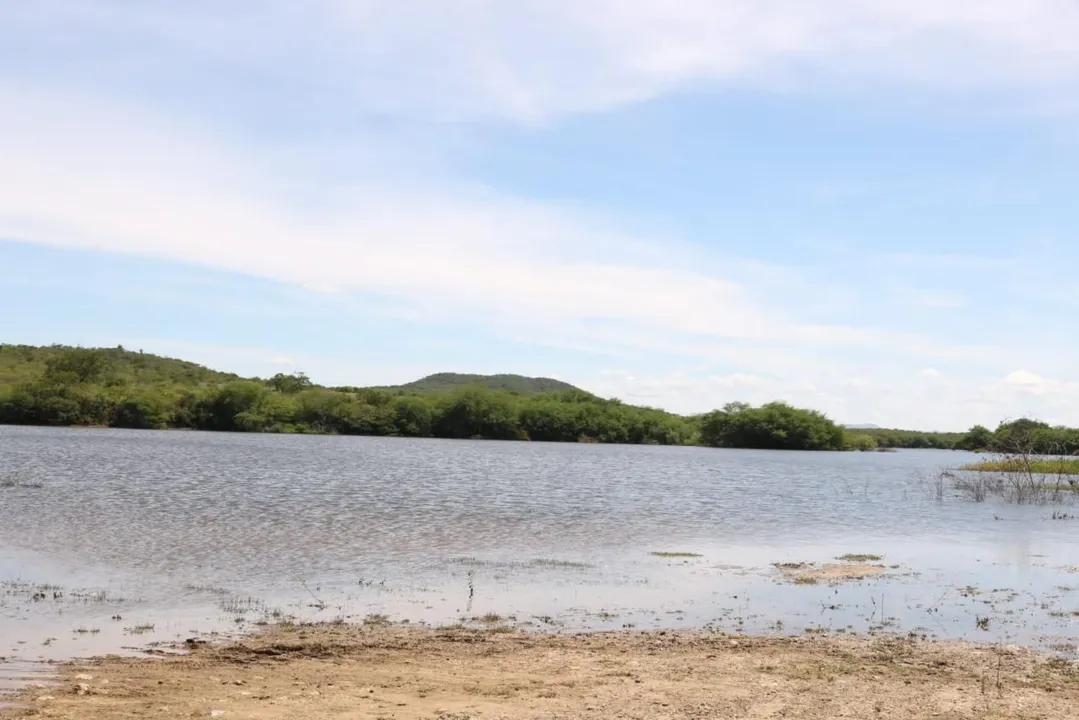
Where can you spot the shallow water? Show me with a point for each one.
(157, 536)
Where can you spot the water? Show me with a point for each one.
(142, 537)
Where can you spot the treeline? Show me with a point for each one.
(84, 387)
(869, 438)
(1023, 436)
(114, 387)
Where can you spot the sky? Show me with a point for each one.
(864, 207)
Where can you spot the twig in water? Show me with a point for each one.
(319, 604)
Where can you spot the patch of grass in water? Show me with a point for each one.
(1064, 613)
(860, 557)
(140, 629)
(212, 590)
(237, 605)
(549, 562)
(1068, 466)
(806, 580)
(667, 554)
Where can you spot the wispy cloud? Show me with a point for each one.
(533, 59)
(136, 185)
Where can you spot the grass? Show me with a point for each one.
(664, 554)
(1021, 465)
(139, 629)
(860, 557)
(377, 620)
(548, 562)
(516, 565)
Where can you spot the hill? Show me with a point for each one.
(27, 363)
(114, 387)
(440, 382)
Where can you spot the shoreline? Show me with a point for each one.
(455, 673)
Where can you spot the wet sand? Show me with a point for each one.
(457, 674)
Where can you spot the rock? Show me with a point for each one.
(82, 689)
(217, 713)
(82, 676)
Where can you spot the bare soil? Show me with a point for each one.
(458, 674)
(829, 572)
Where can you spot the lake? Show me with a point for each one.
(116, 539)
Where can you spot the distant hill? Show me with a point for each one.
(24, 363)
(862, 426)
(513, 383)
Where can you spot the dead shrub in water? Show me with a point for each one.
(1021, 477)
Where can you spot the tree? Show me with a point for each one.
(776, 426)
(977, 438)
(78, 365)
(290, 384)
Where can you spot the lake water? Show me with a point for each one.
(139, 537)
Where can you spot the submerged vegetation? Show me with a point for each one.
(1055, 466)
(115, 387)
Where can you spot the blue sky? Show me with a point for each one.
(862, 207)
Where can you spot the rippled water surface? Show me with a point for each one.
(133, 537)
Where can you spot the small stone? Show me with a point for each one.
(83, 676)
(82, 689)
(46, 698)
(217, 713)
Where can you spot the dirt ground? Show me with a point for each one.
(458, 674)
(828, 572)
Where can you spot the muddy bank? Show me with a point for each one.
(456, 674)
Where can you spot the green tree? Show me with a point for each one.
(977, 438)
(776, 426)
(290, 384)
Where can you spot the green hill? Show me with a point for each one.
(440, 382)
(114, 387)
(27, 363)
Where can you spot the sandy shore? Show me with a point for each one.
(350, 672)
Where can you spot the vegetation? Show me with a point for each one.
(518, 384)
(120, 388)
(115, 387)
(1023, 435)
(907, 439)
(1062, 466)
(776, 425)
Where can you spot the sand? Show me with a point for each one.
(459, 674)
(828, 572)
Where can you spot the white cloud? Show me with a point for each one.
(79, 175)
(537, 59)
